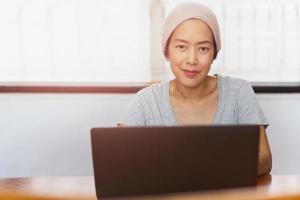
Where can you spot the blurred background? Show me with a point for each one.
(118, 42)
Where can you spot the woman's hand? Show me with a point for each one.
(264, 155)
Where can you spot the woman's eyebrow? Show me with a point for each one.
(181, 40)
(204, 42)
(185, 41)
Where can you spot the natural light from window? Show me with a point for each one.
(74, 41)
(118, 41)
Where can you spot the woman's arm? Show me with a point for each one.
(264, 156)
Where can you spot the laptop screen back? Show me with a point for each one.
(132, 161)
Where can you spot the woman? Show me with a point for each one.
(191, 42)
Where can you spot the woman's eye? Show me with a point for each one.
(181, 47)
(203, 49)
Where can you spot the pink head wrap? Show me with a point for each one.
(186, 11)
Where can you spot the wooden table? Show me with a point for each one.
(273, 187)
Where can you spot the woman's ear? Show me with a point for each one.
(166, 53)
(167, 57)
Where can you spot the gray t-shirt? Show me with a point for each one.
(237, 104)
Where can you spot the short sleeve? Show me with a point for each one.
(134, 115)
(249, 111)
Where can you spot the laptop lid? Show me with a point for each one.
(131, 161)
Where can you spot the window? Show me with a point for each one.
(260, 38)
(117, 41)
(74, 41)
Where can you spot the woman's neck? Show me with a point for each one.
(179, 91)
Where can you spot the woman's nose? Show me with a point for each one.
(192, 57)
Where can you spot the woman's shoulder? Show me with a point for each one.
(233, 84)
(155, 88)
(229, 80)
(152, 91)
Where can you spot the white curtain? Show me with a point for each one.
(260, 38)
(74, 41)
(118, 41)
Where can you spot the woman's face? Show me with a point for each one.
(190, 52)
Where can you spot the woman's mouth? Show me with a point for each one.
(190, 73)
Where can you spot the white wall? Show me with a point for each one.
(283, 113)
(48, 134)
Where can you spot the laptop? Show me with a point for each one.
(131, 161)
